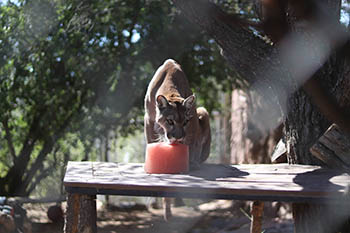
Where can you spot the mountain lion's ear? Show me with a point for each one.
(162, 102)
(189, 102)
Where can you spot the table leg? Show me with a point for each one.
(80, 214)
(256, 211)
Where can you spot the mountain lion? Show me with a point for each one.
(171, 115)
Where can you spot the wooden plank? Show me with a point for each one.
(333, 148)
(278, 181)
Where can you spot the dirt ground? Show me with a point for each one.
(219, 216)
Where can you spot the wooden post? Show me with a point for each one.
(81, 214)
(256, 211)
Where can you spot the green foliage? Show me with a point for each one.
(72, 71)
(130, 149)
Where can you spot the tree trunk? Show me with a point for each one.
(250, 143)
(222, 126)
(226, 129)
(276, 72)
(304, 125)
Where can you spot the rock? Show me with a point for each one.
(55, 214)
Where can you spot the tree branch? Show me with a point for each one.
(47, 148)
(276, 71)
(37, 165)
(9, 140)
(14, 175)
(245, 52)
(30, 140)
(41, 176)
(250, 56)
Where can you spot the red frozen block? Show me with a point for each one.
(166, 158)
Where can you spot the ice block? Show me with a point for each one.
(166, 158)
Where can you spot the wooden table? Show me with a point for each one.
(278, 182)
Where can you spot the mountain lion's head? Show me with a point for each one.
(173, 115)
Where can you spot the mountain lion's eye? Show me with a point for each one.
(170, 122)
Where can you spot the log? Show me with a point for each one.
(81, 214)
(23, 200)
(333, 148)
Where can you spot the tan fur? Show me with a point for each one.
(171, 82)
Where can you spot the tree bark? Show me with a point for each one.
(81, 214)
(318, 218)
(305, 124)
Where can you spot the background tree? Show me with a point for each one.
(72, 71)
